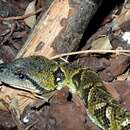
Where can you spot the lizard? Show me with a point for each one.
(40, 75)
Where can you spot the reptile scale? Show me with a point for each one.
(40, 75)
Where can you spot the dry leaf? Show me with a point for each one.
(102, 43)
(125, 14)
(30, 21)
(125, 76)
(24, 98)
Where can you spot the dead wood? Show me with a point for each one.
(61, 28)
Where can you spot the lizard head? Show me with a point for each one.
(33, 74)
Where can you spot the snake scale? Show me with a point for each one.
(40, 75)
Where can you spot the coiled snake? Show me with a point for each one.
(40, 75)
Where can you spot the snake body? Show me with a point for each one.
(40, 75)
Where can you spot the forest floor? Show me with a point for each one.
(63, 113)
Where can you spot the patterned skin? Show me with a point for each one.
(40, 75)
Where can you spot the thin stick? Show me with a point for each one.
(21, 17)
(91, 51)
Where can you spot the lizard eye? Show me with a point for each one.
(59, 76)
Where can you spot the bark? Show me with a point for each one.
(61, 28)
(70, 37)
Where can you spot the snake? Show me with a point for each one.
(40, 75)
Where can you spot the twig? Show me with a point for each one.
(91, 51)
(21, 17)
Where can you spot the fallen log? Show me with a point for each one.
(61, 28)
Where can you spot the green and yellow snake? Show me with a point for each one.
(40, 75)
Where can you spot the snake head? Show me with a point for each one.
(30, 74)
